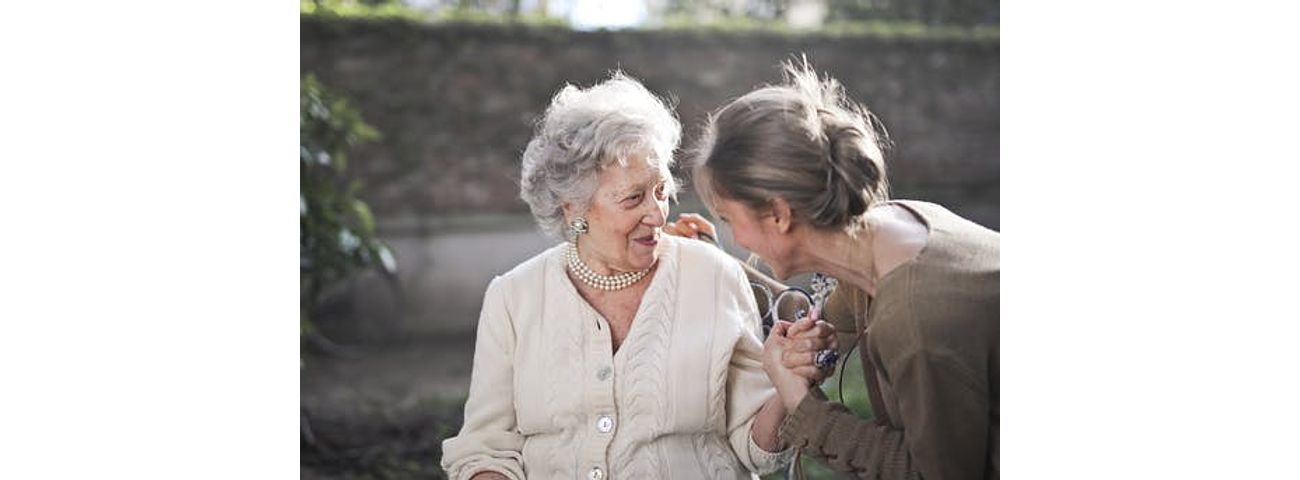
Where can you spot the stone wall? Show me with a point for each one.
(456, 103)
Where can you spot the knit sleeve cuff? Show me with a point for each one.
(766, 462)
(511, 472)
(803, 426)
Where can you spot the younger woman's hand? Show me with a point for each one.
(690, 225)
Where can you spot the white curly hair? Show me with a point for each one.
(585, 130)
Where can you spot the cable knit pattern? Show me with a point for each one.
(677, 400)
(716, 457)
(643, 379)
(714, 454)
(721, 356)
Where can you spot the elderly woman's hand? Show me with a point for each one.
(791, 388)
(690, 225)
(808, 337)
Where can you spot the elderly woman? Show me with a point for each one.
(623, 352)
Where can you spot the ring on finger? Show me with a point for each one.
(825, 359)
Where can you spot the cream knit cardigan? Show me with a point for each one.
(677, 400)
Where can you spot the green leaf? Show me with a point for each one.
(362, 213)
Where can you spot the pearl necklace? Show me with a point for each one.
(596, 280)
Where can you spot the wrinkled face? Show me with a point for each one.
(625, 217)
(755, 231)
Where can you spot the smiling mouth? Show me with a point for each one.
(648, 240)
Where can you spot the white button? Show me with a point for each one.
(603, 373)
(596, 473)
(604, 424)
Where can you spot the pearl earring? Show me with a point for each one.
(578, 226)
